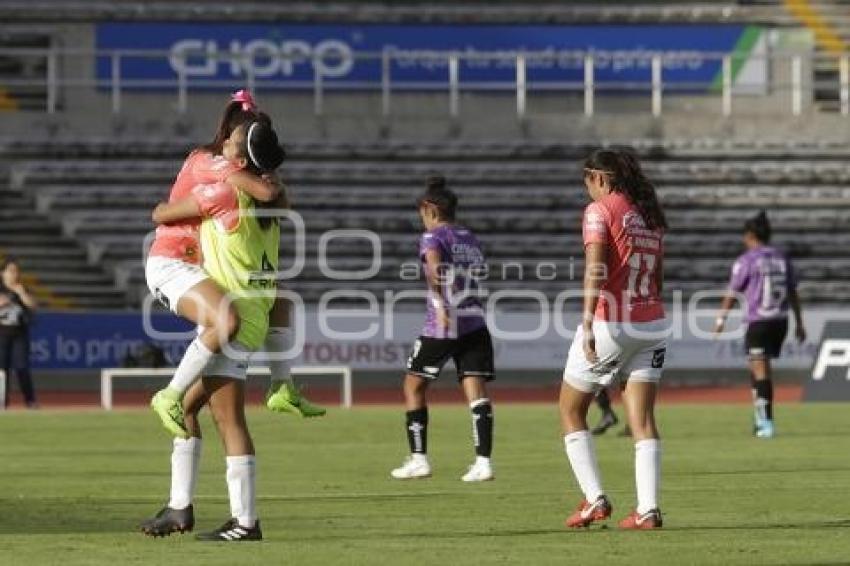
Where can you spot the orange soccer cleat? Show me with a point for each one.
(637, 521)
(587, 513)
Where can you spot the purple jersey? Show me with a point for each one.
(460, 259)
(766, 277)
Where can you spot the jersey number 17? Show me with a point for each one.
(641, 270)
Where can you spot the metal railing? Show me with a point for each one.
(116, 84)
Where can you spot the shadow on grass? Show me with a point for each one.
(565, 532)
(80, 515)
(811, 525)
(122, 515)
(759, 471)
(356, 496)
(73, 515)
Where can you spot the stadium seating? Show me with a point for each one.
(442, 11)
(524, 199)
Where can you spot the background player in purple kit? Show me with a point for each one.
(454, 328)
(766, 278)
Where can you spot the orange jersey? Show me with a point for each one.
(633, 254)
(180, 240)
(219, 202)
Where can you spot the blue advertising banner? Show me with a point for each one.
(381, 340)
(96, 340)
(289, 56)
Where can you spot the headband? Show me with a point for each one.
(244, 96)
(248, 145)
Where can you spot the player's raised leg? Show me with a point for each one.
(206, 305)
(578, 444)
(283, 396)
(416, 424)
(639, 399)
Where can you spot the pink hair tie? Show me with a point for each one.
(246, 99)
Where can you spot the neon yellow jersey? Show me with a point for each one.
(240, 256)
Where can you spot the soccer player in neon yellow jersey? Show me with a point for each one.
(240, 255)
(175, 275)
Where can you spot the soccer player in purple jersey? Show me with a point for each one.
(766, 278)
(454, 328)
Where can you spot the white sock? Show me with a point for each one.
(185, 457)
(760, 408)
(278, 340)
(647, 473)
(193, 363)
(482, 460)
(579, 446)
(419, 457)
(241, 486)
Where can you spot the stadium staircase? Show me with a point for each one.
(54, 266)
(829, 21)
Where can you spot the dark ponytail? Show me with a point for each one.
(627, 177)
(261, 147)
(264, 154)
(438, 194)
(759, 226)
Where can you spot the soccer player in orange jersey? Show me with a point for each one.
(623, 331)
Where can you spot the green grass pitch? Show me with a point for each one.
(73, 485)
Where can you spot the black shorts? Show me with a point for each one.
(764, 338)
(14, 350)
(472, 354)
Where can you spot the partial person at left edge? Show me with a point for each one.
(17, 306)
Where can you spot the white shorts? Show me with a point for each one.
(635, 350)
(168, 279)
(235, 367)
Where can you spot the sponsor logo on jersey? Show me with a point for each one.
(633, 221)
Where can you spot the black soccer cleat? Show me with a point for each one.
(169, 521)
(609, 419)
(232, 531)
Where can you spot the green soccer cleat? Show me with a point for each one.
(168, 406)
(287, 399)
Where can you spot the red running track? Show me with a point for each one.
(392, 395)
